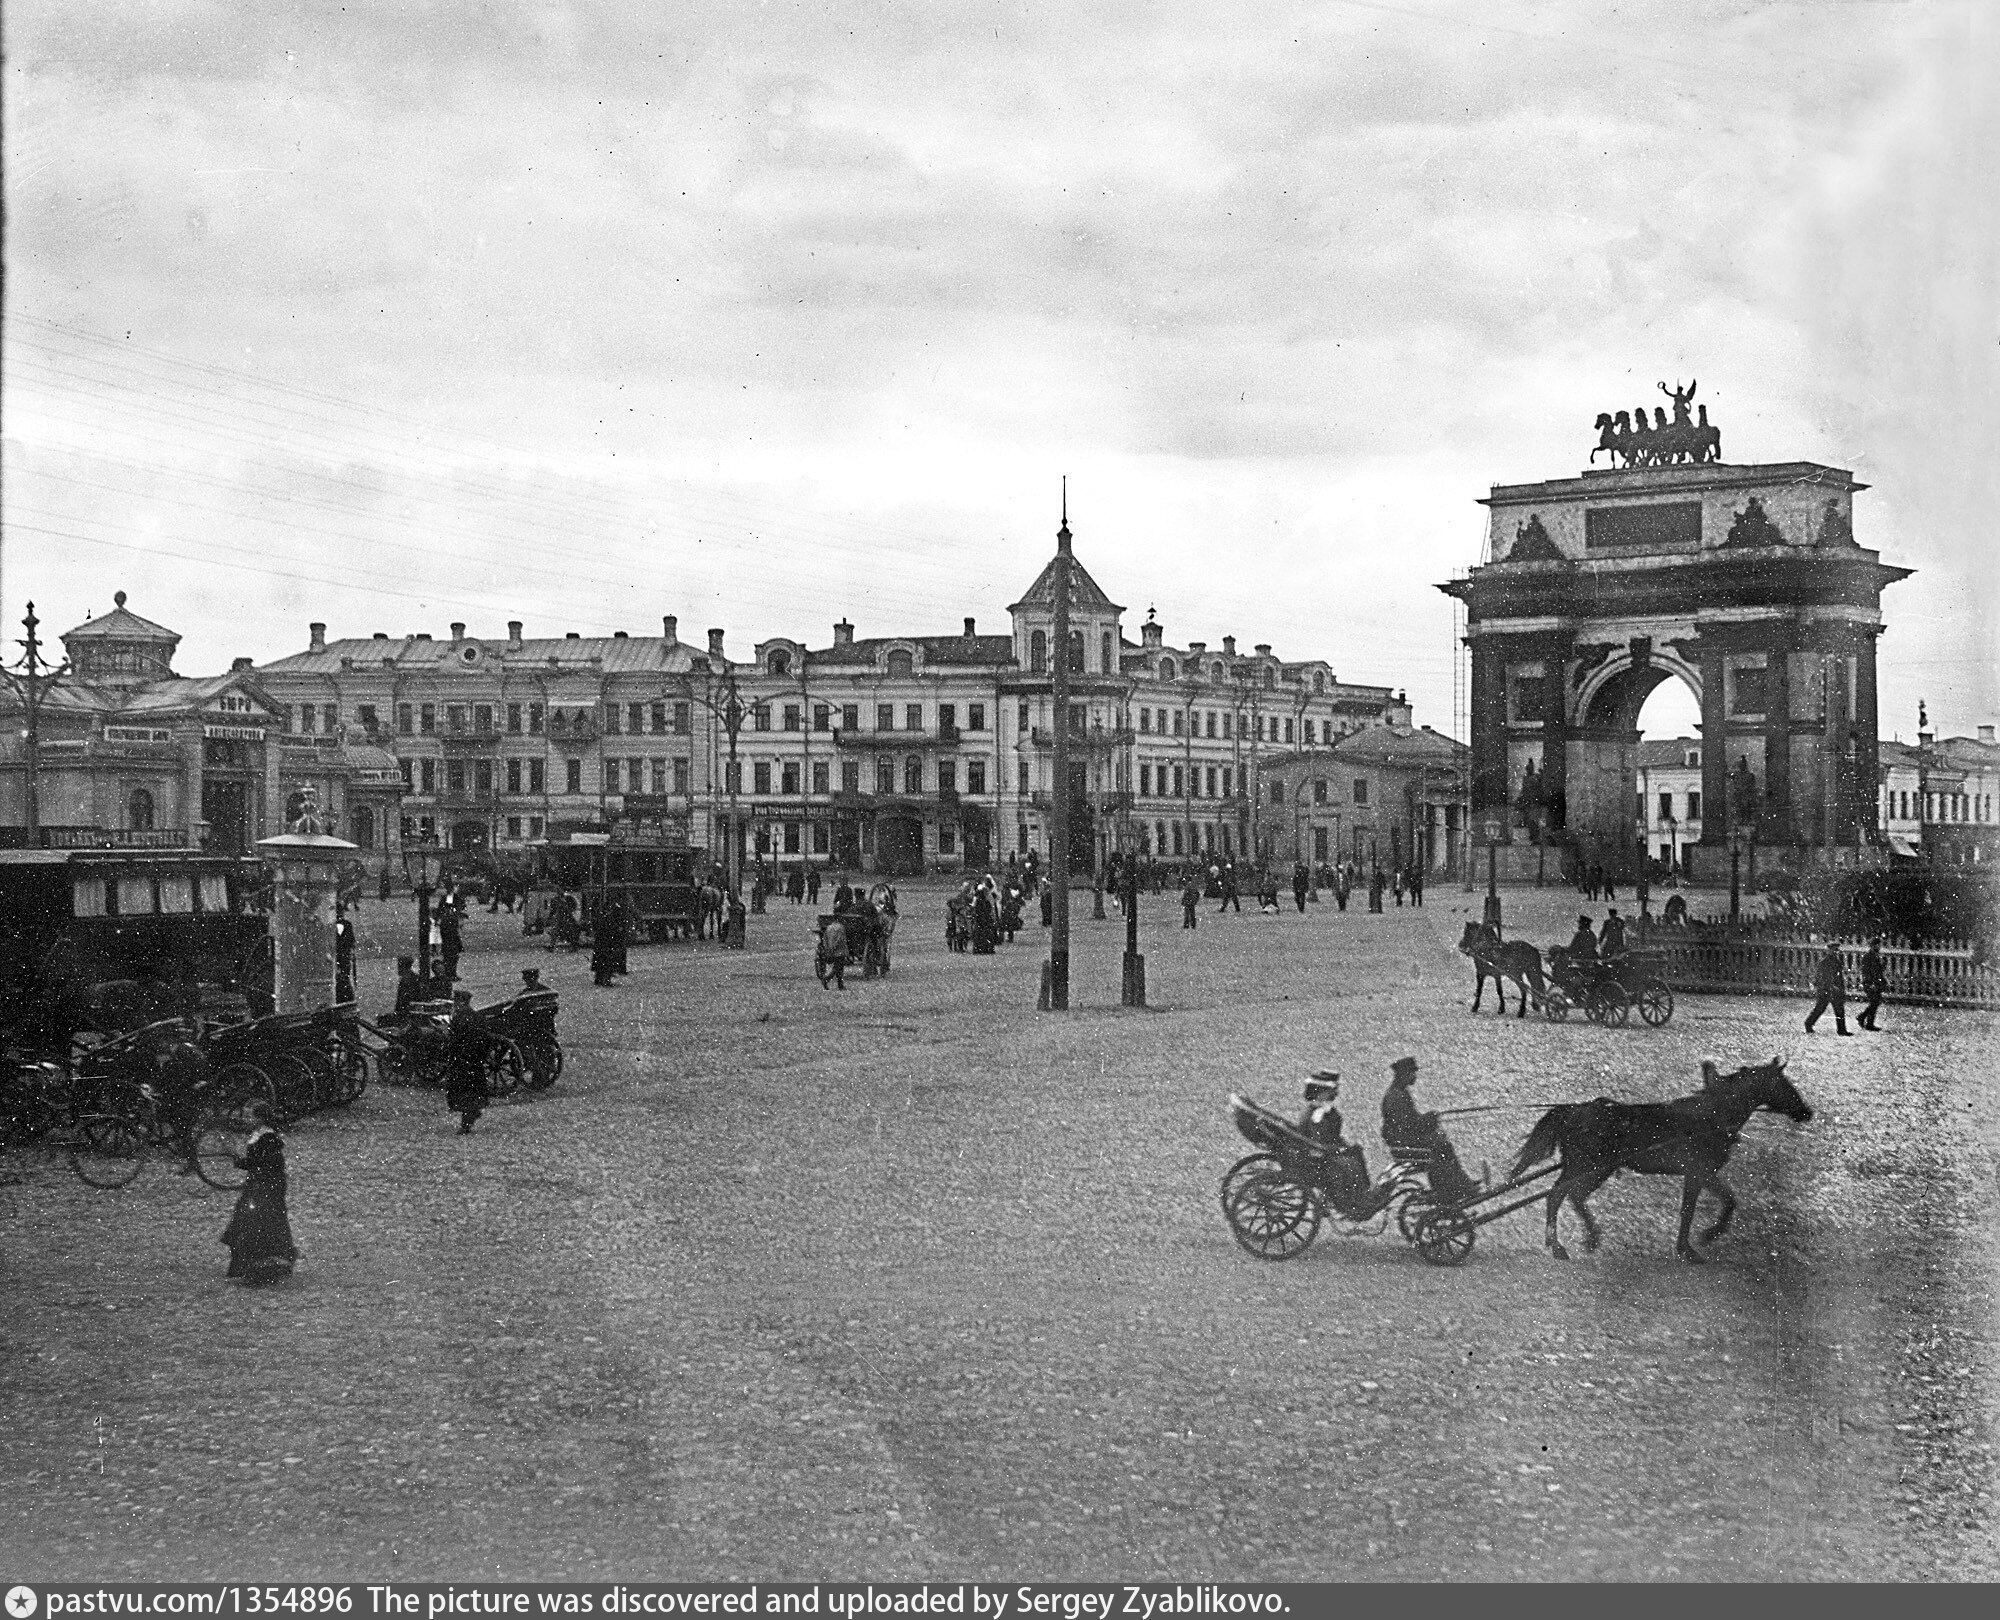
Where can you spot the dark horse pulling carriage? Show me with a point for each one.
(868, 927)
(1606, 989)
(1276, 1200)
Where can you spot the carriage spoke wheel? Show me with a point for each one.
(1656, 1004)
(220, 1140)
(294, 1084)
(1273, 1217)
(1609, 1007)
(1555, 1005)
(241, 1088)
(504, 1069)
(1411, 1214)
(1445, 1236)
(544, 1066)
(1241, 1171)
(108, 1150)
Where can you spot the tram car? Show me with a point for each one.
(657, 881)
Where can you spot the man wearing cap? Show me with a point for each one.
(1874, 981)
(1406, 1127)
(1611, 937)
(465, 1062)
(1830, 985)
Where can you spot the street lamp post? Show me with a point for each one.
(1735, 874)
(421, 864)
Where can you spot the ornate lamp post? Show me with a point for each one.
(723, 698)
(1494, 826)
(421, 864)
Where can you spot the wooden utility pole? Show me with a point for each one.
(1059, 818)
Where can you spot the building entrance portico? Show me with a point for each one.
(1743, 582)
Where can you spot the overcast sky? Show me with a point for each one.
(390, 314)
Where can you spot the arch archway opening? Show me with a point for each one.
(1607, 807)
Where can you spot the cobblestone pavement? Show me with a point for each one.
(910, 1281)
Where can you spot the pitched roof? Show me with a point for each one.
(1400, 745)
(1663, 753)
(121, 624)
(616, 655)
(936, 650)
(1084, 591)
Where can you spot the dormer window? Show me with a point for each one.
(780, 663)
(901, 663)
(1166, 669)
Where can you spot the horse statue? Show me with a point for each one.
(1498, 960)
(1608, 439)
(1690, 1137)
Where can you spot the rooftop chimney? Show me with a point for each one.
(571, 635)
(1229, 646)
(458, 632)
(969, 630)
(318, 633)
(843, 634)
(241, 663)
(672, 627)
(1197, 648)
(715, 644)
(381, 635)
(513, 632)
(421, 635)
(619, 635)
(1263, 649)
(1986, 734)
(1151, 633)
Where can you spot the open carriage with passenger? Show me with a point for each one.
(857, 935)
(1608, 989)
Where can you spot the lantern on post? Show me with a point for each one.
(422, 865)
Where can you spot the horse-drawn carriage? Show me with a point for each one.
(1607, 989)
(867, 930)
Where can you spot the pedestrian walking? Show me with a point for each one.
(1229, 894)
(1611, 937)
(1874, 981)
(795, 886)
(382, 891)
(1301, 882)
(831, 963)
(607, 943)
(1048, 905)
(812, 886)
(1830, 984)
(259, 1233)
(451, 939)
(1343, 886)
(1190, 898)
(1416, 885)
(343, 958)
(465, 1062)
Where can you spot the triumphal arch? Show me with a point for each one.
(1745, 582)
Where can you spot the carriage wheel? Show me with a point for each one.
(544, 1065)
(1273, 1217)
(1445, 1236)
(108, 1150)
(1411, 1214)
(1555, 1005)
(294, 1084)
(504, 1069)
(354, 1064)
(1241, 1171)
(219, 1141)
(1608, 1006)
(241, 1087)
(1656, 1003)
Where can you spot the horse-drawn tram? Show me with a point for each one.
(657, 881)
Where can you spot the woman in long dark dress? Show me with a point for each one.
(259, 1233)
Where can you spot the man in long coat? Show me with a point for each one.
(471, 1041)
(1830, 985)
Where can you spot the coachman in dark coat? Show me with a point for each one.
(1406, 1126)
(471, 1042)
(259, 1233)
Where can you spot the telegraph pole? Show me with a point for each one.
(1059, 820)
(33, 684)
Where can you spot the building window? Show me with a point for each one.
(822, 717)
(139, 811)
(913, 774)
(947, 776)
(513, 829)
(850, 717)
(1024, 778)
(1110, 654)
(885, 775)
(534, 719)
(850, 776)
(427, 773)
(482, 719)
(1226, 782)
(1211, 722)
(1145, 781)
(789, 777)
(975, 776)
(454, 776)
(1361, 790)
(913, 717)
(822, 838)
(732, 776)
(975, 717)
(307, 716)
(1225, 724)
(1179, 783)
(482, 776)
(537, 776)
(1145, 720)
(1177, 722)
(1167, 674)
(454, 717)
(1022, 837)
(427, 720)
(513, 776)
(822, 776)
(514, 719)
(791, 838)
(405, 723)
(366, 715)
(1288, 731)
(901, 665)
(1038, 652)
(1319, 790)
(792, 717)
(885, 717)
(1211, 781)
(760, 776)
(947, 839)
(361, 827)
(573, 775)
(610, 719)
(1666, 807)
(780, 663)
(1026, 719)
(947, 719)
(405, 766)
(1076, 652)
(760, 717)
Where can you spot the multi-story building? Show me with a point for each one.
(1668, 807)
(893, 754)
(1386, 796)
(1942, 796)
(133, 753)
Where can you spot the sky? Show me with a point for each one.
(765, 315)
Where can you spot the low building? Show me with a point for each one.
(1668, 807)
(1942, 795)
(132, 753)
(1389, 796)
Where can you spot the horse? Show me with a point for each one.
(1690, 1137)
(1607, 438)
(1498, 960)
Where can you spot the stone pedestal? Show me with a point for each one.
(305, 873)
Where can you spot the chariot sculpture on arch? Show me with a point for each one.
(1661, 443)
